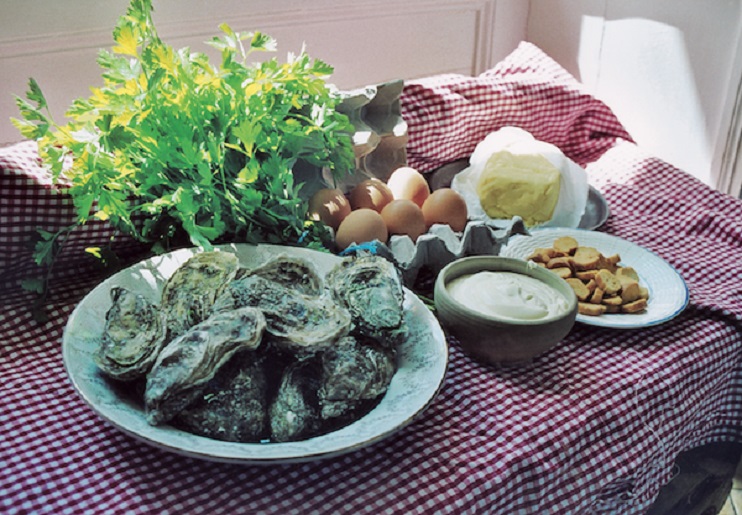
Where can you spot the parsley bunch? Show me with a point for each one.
(172, 147)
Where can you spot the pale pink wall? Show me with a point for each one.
(57, 41)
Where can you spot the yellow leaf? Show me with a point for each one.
(127, 41)
(95, 251)
(247, 175)
(252, 88)
(206, 80)
(125, 117)
(98, 97)
(164, 55)
(132, 86)
(129, 88)
(101, 215)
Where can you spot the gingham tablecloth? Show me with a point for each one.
(593, 426)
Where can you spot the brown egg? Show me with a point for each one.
(360, 226)
(403, 216)
(330, 206)
(445, 206)
(408, 183)
(372, 194)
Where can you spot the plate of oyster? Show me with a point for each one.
(256, 353)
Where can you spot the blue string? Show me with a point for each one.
(371, 247)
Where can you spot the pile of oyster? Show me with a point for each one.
(275, 353)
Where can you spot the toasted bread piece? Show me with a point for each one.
(597, 296)
(625, 280)
(607, 282)
(608, 263)
(563, 272)
(594, 310)
(541, 255)
(586, 258)
(612, 301)
(560, 262)
(566, 244)
(628, 272)
(604, 264)
(634, 307)
(579, 287)
(630, 292)
(613, 259)
(586, 275)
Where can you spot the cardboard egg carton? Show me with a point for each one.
(441, 245)
(379, 143)
(380, 138)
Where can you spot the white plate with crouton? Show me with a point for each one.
(607, 298)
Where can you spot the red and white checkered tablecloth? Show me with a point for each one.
(593, 426)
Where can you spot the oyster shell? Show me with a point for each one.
(370, 287)
(133, 335)
(290, 271)
(294, 413)
(233, 406)
(298, 322)
(189, 293)
(190, 361)
(353, 371)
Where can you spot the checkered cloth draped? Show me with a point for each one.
(593, 426)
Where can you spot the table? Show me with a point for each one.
(593, 426)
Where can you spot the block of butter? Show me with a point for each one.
(525, 185)
(512, 174)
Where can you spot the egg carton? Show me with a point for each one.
(441, 245)
(379, 139)
(379, 143)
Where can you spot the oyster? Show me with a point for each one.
(189, 293)
(294, 413)
(233, 406)
(133, 335)
(290, 271)
(370, 287)
(190, 361)
(298, 322)
(353, 371)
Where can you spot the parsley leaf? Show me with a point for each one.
(173, 148)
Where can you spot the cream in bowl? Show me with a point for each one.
(507, 295)
(504, 310)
